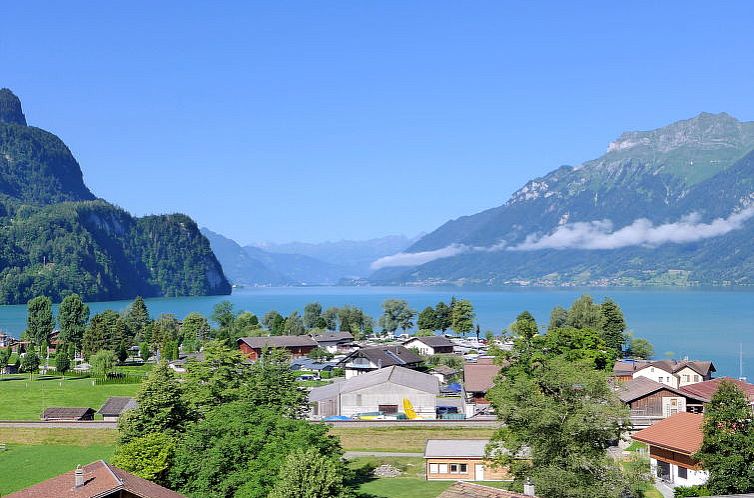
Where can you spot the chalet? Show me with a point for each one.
(676, 373)
(459, 460)
(431, 345)
(369, 359)
(335, 342)
(463, 489)
(385, 390)
(650, 401)
(703, 391)
(69, 414)
(672, 442)
(478, 378)
(296, 345)
(624, 370)
(115, 406)
(96, 480)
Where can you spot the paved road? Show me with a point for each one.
(357, 454)
(31, 424)
(481, 424)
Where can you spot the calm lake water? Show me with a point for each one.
(700, 324)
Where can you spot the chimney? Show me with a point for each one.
(78, 476)
(529, 488)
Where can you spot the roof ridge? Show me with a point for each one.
(112, 473)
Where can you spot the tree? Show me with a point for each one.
(727, 450)
(39, 322)
(313, 316)
(462, 317)
(274, 322)
(424, 333)
(330, 318)
(640, 348)
(427, 319)
(272, 384)
(584, 313)
(30, 362)
(558, 318)
(613, 325)
(525, 326)
(194, 330)
(396, 313)
(308, 474)
(148, 456)
(145, 352)
(137, 319)
(72, 316)
(294, 325)
(443, 316)
(165, 330)
(94, 339)
(62, 362)
(246, 324)
(161, 407)
(319, 354)
(103, 362)
(106, 330)
(223, 314)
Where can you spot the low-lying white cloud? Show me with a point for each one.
(642, 232)
(591, 235)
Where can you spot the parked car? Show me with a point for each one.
(307, 377)
(444, 410)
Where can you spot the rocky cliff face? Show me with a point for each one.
(10, 108)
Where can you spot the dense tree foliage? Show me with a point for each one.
(149, 456)
(39, 321)
(462, 317)
(396, 314)
(73, 316)
(308, 474)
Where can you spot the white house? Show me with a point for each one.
(382, 390)
(430, 345)
(676, 373)
(335, 342)
(672, 442)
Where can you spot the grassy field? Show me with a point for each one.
(402, 439)
(33, 455)
(24, 399)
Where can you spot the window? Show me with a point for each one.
(685, 378)
(682, 473)
(454, 468)
(464, 468)
(696, 378)
(433, 468)
(442, 468)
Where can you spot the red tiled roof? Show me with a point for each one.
(100, 480)
(681, 432)
(705, 390)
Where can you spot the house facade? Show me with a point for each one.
(672, 442)
(430, 345)
(385, 390)
(296, 345)
(335, 342)
(461, 460)
(478, 378)
(650, 401)
(676, 373)
(366, 360)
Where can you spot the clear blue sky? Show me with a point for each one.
(278, 121)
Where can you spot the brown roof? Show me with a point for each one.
(116, 405)
(705, 390)
(433, 341)
(681, 432)
(100, 480)
(479, 377)
(642, 386)
(463, 489)
(279, 341)
(628, 367)
(65, 413)
(703, 368)
(386, 356)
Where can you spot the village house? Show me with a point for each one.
(676, 373)
(335, 342)
(703, 391)
(366, 360)
(6, 340)
(296, 345)
(96, 480)
(461, 460)
(179, 365)
(463, 489)
(385, 390)
(672, 442)
(624, 370)
(444, 373)
(430, 345)
(650, 401)
(478, 378)
(67, 414)
(115, 406)
(309, 365)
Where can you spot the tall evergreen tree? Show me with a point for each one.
(73, 316)
(427, 319)
(39, 321)
(137, 318)
(727, 450)
(462, 317)
(313, 316)
(443, 316)
(613, 325)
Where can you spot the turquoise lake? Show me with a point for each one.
(700, 324)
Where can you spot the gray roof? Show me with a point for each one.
(440, 448)
(66, 413)
(279, 341)
(433, 341)
(116, 405)
(333, 337)
(395, 375)
(386, 356)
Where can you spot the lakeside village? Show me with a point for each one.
(324, 404)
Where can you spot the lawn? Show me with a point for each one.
(26, 464)
(410, 483)
(402, 439)
(24, 399)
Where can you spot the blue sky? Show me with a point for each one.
(279, 121)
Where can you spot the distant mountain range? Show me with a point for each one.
(56, 237)
(299, 263)
(672, 206)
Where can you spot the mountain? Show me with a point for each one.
(56, 237)
(668, 206)
(355, 256)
